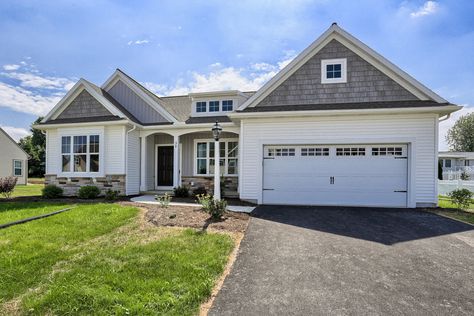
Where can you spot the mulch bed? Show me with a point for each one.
(194, 217)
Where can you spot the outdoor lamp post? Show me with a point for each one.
(216, 132)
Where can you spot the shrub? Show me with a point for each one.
(464, 176)
(181, 191)
(88, 192)
(7, 185)
(215, 208)
(461, 197)
(111, 195)
(164, 200)
(199, 191)
(52, 191)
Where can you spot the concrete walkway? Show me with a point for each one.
(150, 199)
(350, 261)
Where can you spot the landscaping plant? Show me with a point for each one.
(461, 197)
(111, 195)
(199, 191)
(181, 191)
(7, 185)
(88, 192)
(164, 200)
(215, 208)
(52, 191)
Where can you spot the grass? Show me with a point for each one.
(28, 190)
(102, 259)
(11, 211)
(449, 209)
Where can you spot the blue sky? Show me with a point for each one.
(175, 46)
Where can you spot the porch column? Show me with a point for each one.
(176, 163)
(143, 166)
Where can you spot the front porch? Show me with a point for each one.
(171, 158)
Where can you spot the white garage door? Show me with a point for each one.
(352, 175)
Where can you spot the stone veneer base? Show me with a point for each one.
(71, 185)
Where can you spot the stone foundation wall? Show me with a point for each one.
(230, 189)
(72, 184)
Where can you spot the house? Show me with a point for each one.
(13, 159)
(339, 125)
(456, 164)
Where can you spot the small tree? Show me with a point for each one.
(461, 136)
(461, 197)
(7, 185)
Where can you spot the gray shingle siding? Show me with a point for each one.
(84, 105)
(365, 83)
(135, 104)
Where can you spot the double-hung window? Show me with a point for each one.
(205, 162)
(17, 168)
(200, 107)
(213, 106)
(227, 105)
(80, 154)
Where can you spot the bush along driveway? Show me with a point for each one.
(105, 259)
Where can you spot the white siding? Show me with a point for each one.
(52, 151)
(416, 130)
(9, 151)
(133, 163)
(114, 150)
(150, 163)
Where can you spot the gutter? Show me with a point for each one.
(442, 119)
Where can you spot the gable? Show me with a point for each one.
(135, 104)
(365, 83)
(84, 105)
(10, 148)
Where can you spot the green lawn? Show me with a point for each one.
(28, 190)
(447, 208)
(10, 212)
(101, 259)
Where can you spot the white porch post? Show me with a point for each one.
(143, 166)
(217, 171)
(176, 162)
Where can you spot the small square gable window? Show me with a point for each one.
(333, 70)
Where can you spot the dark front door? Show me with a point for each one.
(165, 166)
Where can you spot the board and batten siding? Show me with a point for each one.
(132, 185)
(418, 131)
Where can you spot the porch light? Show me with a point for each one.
(216, 132)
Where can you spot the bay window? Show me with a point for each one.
(80, 154)
(204, 157)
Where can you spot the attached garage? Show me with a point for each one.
(351, 175)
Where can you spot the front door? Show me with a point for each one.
(164, 166)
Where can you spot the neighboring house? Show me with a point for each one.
(456, 163)
(13, 160)
(339, 125)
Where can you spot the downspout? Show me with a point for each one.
(126, 155)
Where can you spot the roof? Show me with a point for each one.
(345, 106)
(14, 142)
(208, 119)
(456, 154)
(109, 118)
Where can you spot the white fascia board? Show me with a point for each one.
(69, 125)
(182, 125)
(441, 110)
(368, 54)
(145, 97)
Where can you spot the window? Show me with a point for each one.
(280, 152)
(80, 153)
(213, 106)
(227, 105)
(17, 168)
(466, 163)
(200, 107)
(333, 70)
(315, 151)
(205, 162)
(350, 151)
(387, 151)
(447, 163)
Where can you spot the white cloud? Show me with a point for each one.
(26, 101)
(224, 78)
(446, 125)
(16, 132)
(11, 67)
(428, 8)
(138, 42)
(30, 80)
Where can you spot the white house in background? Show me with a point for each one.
(339, 125)
(455, 163)
(13, 160)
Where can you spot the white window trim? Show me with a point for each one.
(217, 113)
(325, 62)
(87, 174)
(21, 167)
(210, 140)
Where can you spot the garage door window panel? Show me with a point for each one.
(387, 151)
(314, 151)
(350, 151)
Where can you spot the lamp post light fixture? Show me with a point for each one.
(216, 132)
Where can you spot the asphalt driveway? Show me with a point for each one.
(321, 260)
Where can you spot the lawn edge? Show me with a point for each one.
(447, 216)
